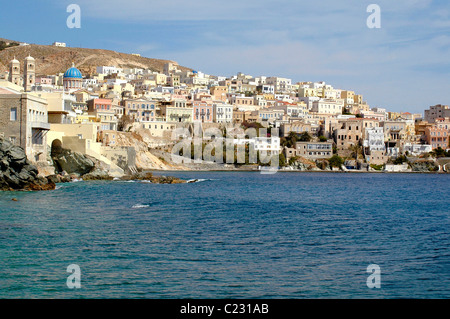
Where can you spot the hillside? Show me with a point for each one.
(53, 60)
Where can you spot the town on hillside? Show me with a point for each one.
(126, 117)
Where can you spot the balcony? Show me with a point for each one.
(40, 125)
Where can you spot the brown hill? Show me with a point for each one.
(53, 60)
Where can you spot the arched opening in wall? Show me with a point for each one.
(56, 149)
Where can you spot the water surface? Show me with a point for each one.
(232, 235)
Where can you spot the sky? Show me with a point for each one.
(402, 66)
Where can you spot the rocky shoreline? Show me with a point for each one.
(19, 174)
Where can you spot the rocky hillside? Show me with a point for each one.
(53, 60)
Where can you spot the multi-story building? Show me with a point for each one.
(374, 139)
(348, 133)
(219, 93)
(24, 120)
(269, 145)
(243, 102)
(279, 84)
(298, 127)
(327, 106)
(269, 115)
(437, 111)
(223, 113)
(103, 111)
(241, 116)
(394, 130)
(177, 110)
(202, 112)
(59, 107)
(265, 88)
(141, 110)
(310, 150)
(348, 97)
(437, 137)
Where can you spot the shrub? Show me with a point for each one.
(336, 161)
(377, 167)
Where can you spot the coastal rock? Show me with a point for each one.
(147, 176)
(424, 166)
(17, 172)
(72, 162)
(97, 175)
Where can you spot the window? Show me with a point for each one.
(13, 114)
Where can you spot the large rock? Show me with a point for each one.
(17, 172)
(72, 162)
(97, 174)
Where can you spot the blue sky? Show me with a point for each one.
(404, 66)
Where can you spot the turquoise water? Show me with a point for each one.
(233, 235)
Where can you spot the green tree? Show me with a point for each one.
(322, 138)
(305, 137)
(282, 160)
(336, 161)
(400, 160)
(356, 150)
(440, 152)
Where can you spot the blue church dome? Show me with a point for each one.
(73, 73)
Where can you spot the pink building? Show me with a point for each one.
(99, 104)
(437, 137)
(43, 81)
(203, 112)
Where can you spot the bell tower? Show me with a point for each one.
(29, 73)
(14, 71)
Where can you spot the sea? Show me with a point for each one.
(231, 235)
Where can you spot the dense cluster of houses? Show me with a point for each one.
(84, 111)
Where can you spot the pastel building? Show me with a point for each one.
(223, 113)
(203, 112)
(437, 137)
(327, 106)
(141, 110)
(177, 110)
(102, 109)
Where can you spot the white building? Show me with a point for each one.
(417, 149)
(327, 106)
(375, 139)
(280, 84)
(222, 113)
(267, 89)
(59, 44)
(271, 145)
(108, 70)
